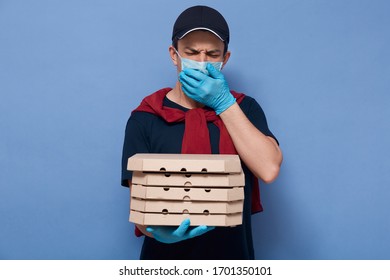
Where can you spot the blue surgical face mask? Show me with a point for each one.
(198, 65)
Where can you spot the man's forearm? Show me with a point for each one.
(259, 152)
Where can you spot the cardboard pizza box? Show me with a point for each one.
(176, 219)
(188, 179)
(191, 207)
(187, 194)
(193, 163)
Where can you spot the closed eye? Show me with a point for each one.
(212, 53)
(192, 53)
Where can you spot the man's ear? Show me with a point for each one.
(226, 58)
(173, 55)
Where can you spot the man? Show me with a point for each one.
(200, 114)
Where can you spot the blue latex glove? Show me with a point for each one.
(167, 234)
(212, 91)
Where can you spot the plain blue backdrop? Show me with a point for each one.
(72, 71)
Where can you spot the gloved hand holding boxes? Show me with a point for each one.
(168, 188)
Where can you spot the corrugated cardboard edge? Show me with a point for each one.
(197, 163)
(188, 179)
(188, 194)
(191, 207)
(150, 219)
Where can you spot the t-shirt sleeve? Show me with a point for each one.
(256, 115)
(135, 141)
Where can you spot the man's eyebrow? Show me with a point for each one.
(214, 51)
(191, 49)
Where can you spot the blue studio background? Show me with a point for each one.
(71, 72)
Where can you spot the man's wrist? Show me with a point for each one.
(226, 104)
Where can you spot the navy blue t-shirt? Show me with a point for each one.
(148, 133)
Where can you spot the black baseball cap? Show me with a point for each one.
(201, 18)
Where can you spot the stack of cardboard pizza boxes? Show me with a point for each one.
(167, 188)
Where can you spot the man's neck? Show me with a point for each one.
(178, 96)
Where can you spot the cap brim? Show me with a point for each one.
(201, 28)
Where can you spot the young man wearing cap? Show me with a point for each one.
(201, 115)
